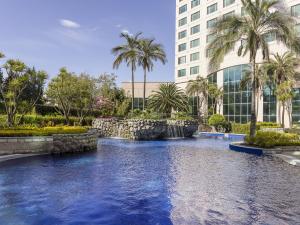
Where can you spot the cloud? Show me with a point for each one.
(125, 31)
(118, 25)
(69, 24)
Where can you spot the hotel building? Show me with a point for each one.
(194, 18)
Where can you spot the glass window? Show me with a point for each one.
(182, 21)
(195, 29)
(183, 9)
(210, 38)
(270, 36)
(228, 14)
(195, 3)
(209, 52)
(194, 56)
(295, 10)
(195, 16)
(181, 60)
(297, 29)
(212, 8)
(182, 47)
(195, 43)
(296, 106)
(211, 23)
(227, 2)
(182, 34)
(181, 73)
(194, 70)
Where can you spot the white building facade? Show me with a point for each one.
(194, 18)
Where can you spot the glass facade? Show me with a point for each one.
(269, 104)
(212, 79)
(193, 106)
(236, 102)
(296, 106)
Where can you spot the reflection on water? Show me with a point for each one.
(195, 181)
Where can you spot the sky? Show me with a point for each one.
(79, 34)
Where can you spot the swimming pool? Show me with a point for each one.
(190, 181)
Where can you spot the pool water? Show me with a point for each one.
(191, 181)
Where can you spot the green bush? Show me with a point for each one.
(219, 122)
(146, 115)
(268, 139)
(182, 116)
(239, 128)
(46, 131)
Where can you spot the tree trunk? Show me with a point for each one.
(253, 101)
(283, 112)
(132, 87)
(144, 93)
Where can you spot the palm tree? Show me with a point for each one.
(149, 52)
(1, 55)
(128, 53)
(199, 89)
(169, 97)
(281, 69)
(249, 31)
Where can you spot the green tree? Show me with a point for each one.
(250, 31)
(198, 88)
(61, 93)
(169, 97)
(148, 54)
(216, 94)
(12, 86)
(85, 95)
(282, 70)
(1, 55)
(284, 93)
(128, 53)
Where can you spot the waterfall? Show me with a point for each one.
(175, 131)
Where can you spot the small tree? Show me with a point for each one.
(216, 94)
(61, 93)
(284, 93)
(12, 86)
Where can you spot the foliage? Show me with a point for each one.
(219, 122)
(216, 94)
(271, 139)
(146, 115)
(149, 51)
(123, 108)
(250, 31)
(46, 131)
(128, 53)
(238, 128)
(169, 97)
(182, 116)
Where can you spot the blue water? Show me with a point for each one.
(193, 181)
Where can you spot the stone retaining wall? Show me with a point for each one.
(139, 129)
(57, 144)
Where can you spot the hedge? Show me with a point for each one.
(46, 131)
(269, 139)
(42, 121)
(238, 128)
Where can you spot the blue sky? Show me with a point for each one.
(79, 34)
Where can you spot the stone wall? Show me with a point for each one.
(139, 129)
(57, 144)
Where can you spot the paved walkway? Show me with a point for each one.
(292, 158)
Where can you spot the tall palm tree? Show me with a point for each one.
(128, 53)
(281, 69)
(249, 31)
(1, 55)
(198, 88)
(149, 52)
(169, 97)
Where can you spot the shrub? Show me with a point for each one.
(239, 128)
(46, 131)
(268, 139)
(219, 122)
(146, 115)
(182, 116)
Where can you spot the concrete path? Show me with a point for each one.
(292, 158)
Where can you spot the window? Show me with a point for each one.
(269, 104)
(236, 102)
(210, 38)
(181, 60)
(181, 73)
(212, 79)
(211, 23)
(182, 9)
(295, 10)
(195, 3)
(296, 106)
(297, 29)
(195, 29)
(182, 34)
(182, 47)
(243, 12)
(194, 56)
(194, 70)
(195, 16)
(209, 52)
(182, 22)
(212, 8)
(270, 37)
(195, 43)
(227, 2)
(228, 14)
